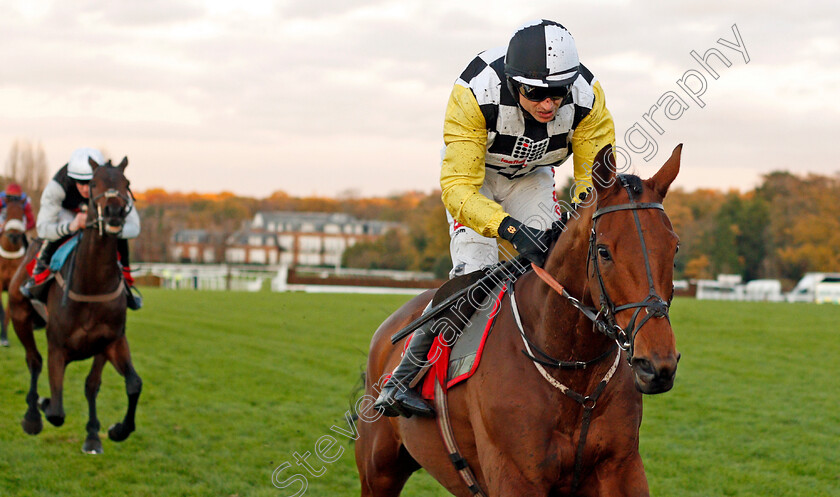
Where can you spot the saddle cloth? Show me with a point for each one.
(454, 364)
(63, 253)
(59, 257)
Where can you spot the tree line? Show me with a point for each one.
(783, 228)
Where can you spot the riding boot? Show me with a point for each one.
(33, 288)
(134, 299)
(397, 398)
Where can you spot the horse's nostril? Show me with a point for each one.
(643, 365)
(678, 356)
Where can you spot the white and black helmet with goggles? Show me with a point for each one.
(541, 61)
(78, 167)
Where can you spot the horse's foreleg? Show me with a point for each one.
(31, 421)
(4, 325)
(93, 445)
(54, 406)
(120, 357)
(619, 479)
(384, 465)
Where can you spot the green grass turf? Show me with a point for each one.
(236, 383)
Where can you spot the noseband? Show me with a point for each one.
(99, 222)
(653, 305)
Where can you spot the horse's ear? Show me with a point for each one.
(603, 170)
(667, 173)
(93, 164)
(123, 164)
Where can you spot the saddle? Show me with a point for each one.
(461, 333)
(59, 258)
(56, 272)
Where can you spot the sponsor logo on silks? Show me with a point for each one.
(527, 150)
(511, 230)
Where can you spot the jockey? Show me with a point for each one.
(62, 214)
(513, 114)
(14, 191)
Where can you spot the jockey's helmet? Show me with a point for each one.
(541, 60)
(14, 190)
(78, 167)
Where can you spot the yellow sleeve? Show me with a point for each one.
(462, 172)
(593, 133)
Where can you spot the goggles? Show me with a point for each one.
(540, 93)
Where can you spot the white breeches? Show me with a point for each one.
(530, 199)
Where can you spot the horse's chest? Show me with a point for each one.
(84, 343)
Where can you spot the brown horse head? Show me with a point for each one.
(109, 196)
(15, 224)
(631, 268)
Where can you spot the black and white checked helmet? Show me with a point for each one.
(542, 53)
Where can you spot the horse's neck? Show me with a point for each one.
(555, 325)
(95, 268)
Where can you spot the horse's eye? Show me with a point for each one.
(677, 251)
(603, 253)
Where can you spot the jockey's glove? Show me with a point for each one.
(531, 243)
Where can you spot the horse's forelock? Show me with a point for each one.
(634, 183)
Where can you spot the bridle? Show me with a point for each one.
(603, 319)
(126, 208)
(653, 305)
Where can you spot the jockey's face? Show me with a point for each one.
(84, 188)
(542, 111)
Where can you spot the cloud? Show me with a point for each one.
(326, 96)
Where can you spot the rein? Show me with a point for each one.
(99, 222)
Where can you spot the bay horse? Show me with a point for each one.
(12, 248)
(522, 427)
(86, 308)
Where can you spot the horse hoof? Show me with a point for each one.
(118, 432)
(32, 426)
(55, 420)
(92, 446)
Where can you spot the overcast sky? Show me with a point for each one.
(324, 97)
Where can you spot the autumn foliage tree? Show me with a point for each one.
(26, 165)
(785, 227)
